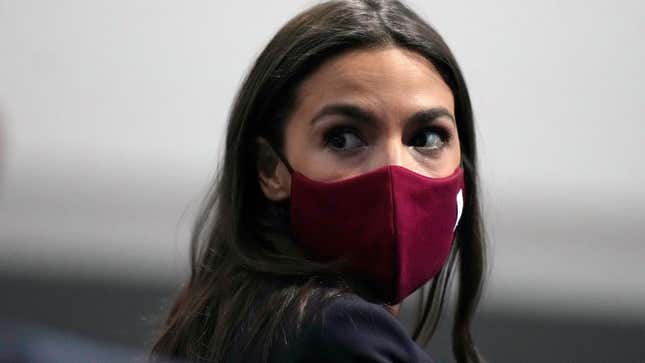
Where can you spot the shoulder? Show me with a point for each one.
(351, 329)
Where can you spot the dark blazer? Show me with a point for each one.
(348, 329)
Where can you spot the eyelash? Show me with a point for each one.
(339, 130)
(444, 134)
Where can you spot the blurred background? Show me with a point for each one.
(111, 121)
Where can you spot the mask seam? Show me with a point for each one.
(396, 261)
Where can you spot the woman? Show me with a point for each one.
(349, 170)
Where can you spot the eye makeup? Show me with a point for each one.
(346, 137)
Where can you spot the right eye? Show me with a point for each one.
(343, 139)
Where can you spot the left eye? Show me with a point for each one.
(428, 139)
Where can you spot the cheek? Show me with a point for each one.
(452, 157)
(456, 159)
(294, 147)
(307, 154)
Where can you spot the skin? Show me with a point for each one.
(381, 91)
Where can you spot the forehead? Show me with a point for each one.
(382, 79)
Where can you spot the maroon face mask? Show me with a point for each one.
(392, 226)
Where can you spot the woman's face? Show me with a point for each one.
(366, 109)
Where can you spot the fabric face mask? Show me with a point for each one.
(393, 227)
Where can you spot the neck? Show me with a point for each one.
(394, 309)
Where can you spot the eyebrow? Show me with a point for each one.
(360, 114)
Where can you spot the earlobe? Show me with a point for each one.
(274, 178)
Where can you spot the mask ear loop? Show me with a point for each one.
(283, 159)
(461, 163)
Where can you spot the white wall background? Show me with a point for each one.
(112, 114)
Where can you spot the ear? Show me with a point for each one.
(273, 176)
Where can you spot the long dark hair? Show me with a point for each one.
(241, 249)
